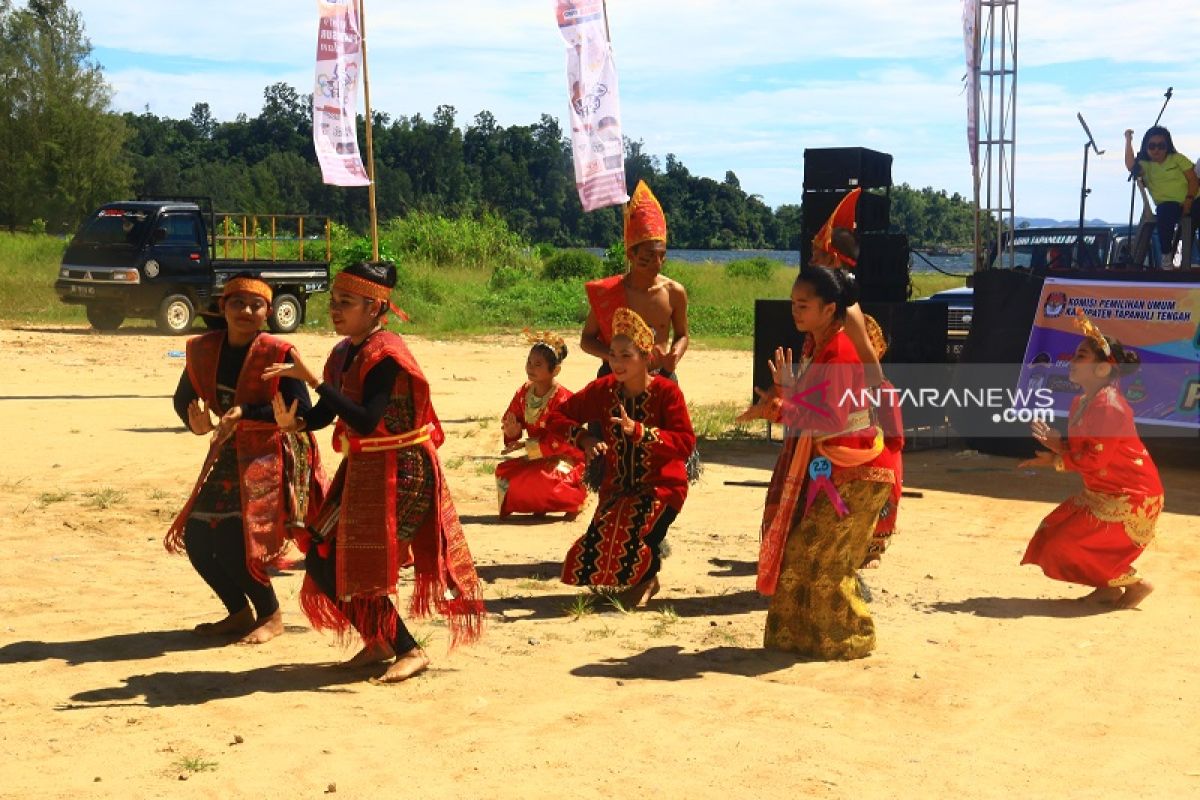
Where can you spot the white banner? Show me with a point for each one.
(970, 19)
(595, 109)
(335, 94)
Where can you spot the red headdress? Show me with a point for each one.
(844, 216)
(644, 218)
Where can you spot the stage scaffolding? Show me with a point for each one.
(993, 85)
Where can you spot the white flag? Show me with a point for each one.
(595, 109)
(335, 95)
(970, 14)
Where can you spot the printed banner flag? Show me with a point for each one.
(595, 110)
(1157, 320)
(970, 20)
(335, 95)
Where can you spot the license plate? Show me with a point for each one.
(86, 290)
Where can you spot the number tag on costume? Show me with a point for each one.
(820, 474)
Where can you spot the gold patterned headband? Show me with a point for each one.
(549, 339)
(247, 286)
(1091, 332)
(627, 323)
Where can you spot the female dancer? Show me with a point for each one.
(828, 488)
(256, 482)
(1094, 537)
(388, 505)
(647, 438)
(545, 478)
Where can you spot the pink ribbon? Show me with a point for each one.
(820, 473)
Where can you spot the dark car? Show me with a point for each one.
(960, 305)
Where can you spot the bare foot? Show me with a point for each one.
(265, 630)
(638, 596)
(1103, 594)
(1135, 594)
(872, 562)
(234, 625)
(374, 653)
(414, 662)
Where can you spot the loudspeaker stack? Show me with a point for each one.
(830, 173)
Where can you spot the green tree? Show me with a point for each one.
(61, 147)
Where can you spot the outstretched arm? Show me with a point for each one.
(1129, 157)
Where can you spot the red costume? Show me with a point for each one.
(549, 477)
(280, 474)
(645, 478)
(365, 493)
(1094, 537)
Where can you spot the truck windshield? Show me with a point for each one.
(1050, 252)
(114, 226)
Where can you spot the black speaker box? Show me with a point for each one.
(883, 267)
(773, 327)
(845, 168)
(872, 213)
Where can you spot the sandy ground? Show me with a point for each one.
(989, 681)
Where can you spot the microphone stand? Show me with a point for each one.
(1084, 191)
(1136, 172)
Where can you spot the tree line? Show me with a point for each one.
(65, 152)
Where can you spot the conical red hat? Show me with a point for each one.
(844, 216)
(644, 218)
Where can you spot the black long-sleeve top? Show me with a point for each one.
(362, 418)
(229, 367)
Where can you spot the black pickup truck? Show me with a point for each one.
(158, 259)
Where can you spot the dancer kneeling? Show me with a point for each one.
(829, 485)
(647, 438)
(546, 478)
(1094, 537)
(388, 505)
(256, 482)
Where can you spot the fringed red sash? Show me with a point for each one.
(605, 296)
(260, 451)
(369, 554)
(783, 495)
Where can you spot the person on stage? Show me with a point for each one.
(257, 482)
(1094, 537)
(543, 479)
(389, 506)
(646, 438)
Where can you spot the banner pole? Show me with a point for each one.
(607, 32)
(362, 34)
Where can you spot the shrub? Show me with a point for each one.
(614, 259)
(755, 269)
(572, 264)
(505, 276)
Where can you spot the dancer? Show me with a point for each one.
(828, 487)
(388, 505)
(647, 435)
(1094, 537)
(256, 482)
(545, 478)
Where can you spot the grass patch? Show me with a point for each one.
(532, 582)
(715, 421)
(453, 463)
(50, 498)
(580, 606)
(104, 498)
(194, 764)
(28, 268)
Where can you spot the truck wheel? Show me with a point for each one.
(175, 314)
(286, 314)
(105, 318)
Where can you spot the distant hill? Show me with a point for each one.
(1046, 222)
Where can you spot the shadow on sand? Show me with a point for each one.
(670, 663)
(118, 647)
(1018, 607)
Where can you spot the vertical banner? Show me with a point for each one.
(335, 94)
(970, 17)
(1158, 321)
(595, 109)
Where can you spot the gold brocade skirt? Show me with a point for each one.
(817, 610)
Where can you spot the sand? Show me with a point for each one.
(988, 681)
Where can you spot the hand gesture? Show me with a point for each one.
(663, 359)
(1128, 134)
(227, 425)
(592, 447)
(296, 369)
(510, 426)
(1047, 437)
(199, 419)
(783, 372)
(285, 415)
(767, 407)
(1041, 459)
(627, 425)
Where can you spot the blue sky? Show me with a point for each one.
(743, 86)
